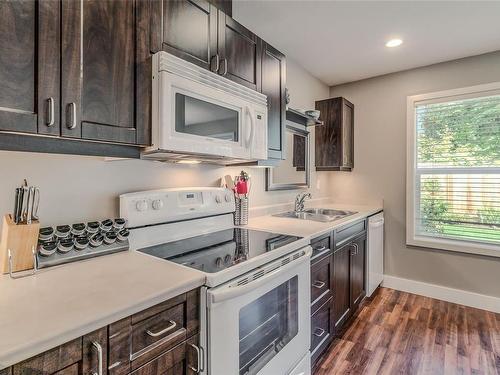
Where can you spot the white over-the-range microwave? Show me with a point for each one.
(198, 115)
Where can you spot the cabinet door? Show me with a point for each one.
(341, 284)
(98, 70)
(188, 30)
(273, 82)
(347, 134)
(358, 271)
(240, 52)
(95, 352)
(29, 66)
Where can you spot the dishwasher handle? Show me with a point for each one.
(376, 223)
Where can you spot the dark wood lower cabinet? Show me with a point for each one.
(341, 282)
(160, 340)
(343, 270)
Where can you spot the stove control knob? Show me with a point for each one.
(227, 197)
(157, 204)
(218, 262)
(141, 205)
(218, 199)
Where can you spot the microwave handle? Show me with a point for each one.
(252, 127)
(231, 292)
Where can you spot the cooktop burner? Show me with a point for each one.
(216, 251)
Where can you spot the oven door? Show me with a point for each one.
(260, 323)
(196, 118)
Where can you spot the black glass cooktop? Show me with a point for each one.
(216, 251)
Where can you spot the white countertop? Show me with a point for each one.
(309, 228)
(57, 305)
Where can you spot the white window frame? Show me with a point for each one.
(411, 153)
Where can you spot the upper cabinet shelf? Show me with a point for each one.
(301, 118)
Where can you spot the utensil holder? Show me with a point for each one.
(20, 239)
(241, 213)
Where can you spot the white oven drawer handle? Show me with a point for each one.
(230, 292)
(163, 331)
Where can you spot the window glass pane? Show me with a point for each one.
(266, 325)
(197, 117)
(459, 206)
(459, 133)
(458, 170)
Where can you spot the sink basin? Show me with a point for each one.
(317, 214)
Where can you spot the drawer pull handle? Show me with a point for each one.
(71, 120)
(199, 358)
(319, 332)
(320, 248)
(116, 364)
(98, 348)
(318, 284)
(163, 331)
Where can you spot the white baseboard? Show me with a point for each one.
(461, 297)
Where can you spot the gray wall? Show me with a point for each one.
(380, 168)
(76, 188)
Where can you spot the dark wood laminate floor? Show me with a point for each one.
(402, 333)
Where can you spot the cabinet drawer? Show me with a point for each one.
(321, 280)
(70, 370)
(346, 233)
(176, 361)
(52, 360)
(321, 330)
(320, 247)
(156, 334)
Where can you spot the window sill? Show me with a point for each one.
(457, 246)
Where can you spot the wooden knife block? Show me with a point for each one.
(20, 239)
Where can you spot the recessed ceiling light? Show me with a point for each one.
(394, 43)
(188, 161)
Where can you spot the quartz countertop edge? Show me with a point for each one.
(104, 293)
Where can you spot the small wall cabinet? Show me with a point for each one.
(335, 140)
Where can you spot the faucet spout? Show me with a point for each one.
(299, 201)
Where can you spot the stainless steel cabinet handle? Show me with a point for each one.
(356, 248)
(224, 61)
(50, 110)
(320, 248)
(116, 364)
(199, 360)
(71, 124)
(217, 63)
(163, 331)
(318, 284)
(353, 250)
(319, 332)
(98, 347)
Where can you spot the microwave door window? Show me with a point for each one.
(201, 118)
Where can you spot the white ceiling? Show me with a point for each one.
(344, 41)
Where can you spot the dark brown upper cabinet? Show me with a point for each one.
(273, 85)
(98, 85)
(29, 66)
(239, 51)
(335, 139)
(188, 30)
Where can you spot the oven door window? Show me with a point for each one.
(266, 325)
(198, 117)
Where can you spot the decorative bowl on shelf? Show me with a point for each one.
(313, 113)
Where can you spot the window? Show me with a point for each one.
(453, 170)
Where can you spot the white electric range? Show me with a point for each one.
(254, 314)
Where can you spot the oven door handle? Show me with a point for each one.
(231, 291)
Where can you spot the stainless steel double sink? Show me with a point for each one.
(317, 214)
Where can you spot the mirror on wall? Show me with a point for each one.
(294, 171)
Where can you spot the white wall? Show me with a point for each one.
(76, 188)
(380, 168)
